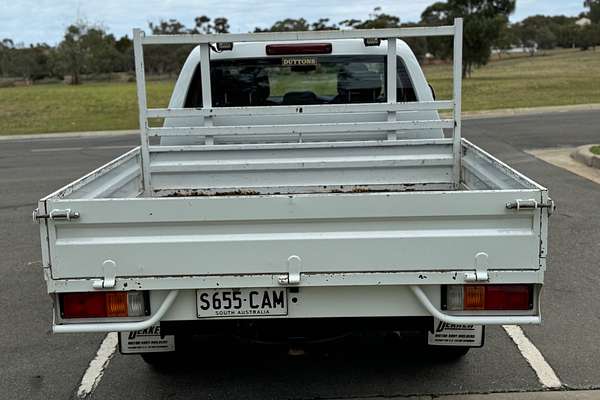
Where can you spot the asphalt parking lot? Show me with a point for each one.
(34, 364)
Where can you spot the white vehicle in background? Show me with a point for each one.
(302, 187)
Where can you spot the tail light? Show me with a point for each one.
(298, 48)
(487, 297)
(103, 304)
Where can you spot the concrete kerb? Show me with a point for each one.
(584, 155)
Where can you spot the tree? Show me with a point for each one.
(287, 25)
(70, 52)
(100, 52)
(322, 25)
(506, 39)
(6, 47)
(589, 37)
(169, 59)
(169, 27)
(203, 25)
(538, 31)
(221, 25)
(483, 21)
(377, 20)
(594, 10)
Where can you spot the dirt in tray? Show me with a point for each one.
(196, 193)
(247, 192)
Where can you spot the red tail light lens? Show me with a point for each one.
(507, 297)
(83, 305)
(103, 304)
(488, 297)
(298, 48)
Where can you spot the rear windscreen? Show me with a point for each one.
(301, 80)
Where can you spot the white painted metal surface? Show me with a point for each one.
(294, 36)
(301, 126)
(363, 211)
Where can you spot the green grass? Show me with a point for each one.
(558, 78)
(87, 107)
(595, 150)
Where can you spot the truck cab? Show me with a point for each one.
(343, 71)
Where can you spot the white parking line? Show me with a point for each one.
(95, 370)
(534, 357)
(54, 149)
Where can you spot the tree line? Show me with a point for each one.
(91, 50)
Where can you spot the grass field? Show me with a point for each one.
(65, 108)
(557, 78)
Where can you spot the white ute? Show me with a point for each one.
(300, 186)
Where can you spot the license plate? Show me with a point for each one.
(254, 302)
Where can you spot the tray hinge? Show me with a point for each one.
(294, 263)
(481, 266)
(531, 204)
(56, 215)
(109, 268)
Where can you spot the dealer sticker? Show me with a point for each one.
(146, 340)
(445, 334)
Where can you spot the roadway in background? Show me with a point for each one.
(35, 364)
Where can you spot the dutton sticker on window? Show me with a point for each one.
(299, 61)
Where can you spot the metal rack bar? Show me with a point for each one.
(392, 77)
(392, 107)
(349, 127)
(300, 110)
(308, 35)
(140, 80)
(457, 88)
(206, 86)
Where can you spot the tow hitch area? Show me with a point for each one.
(445, 334)
(147, 340)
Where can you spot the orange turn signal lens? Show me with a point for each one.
(116, 304)
(474, 297)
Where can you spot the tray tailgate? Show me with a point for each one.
(362, 232)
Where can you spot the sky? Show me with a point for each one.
(33, 21)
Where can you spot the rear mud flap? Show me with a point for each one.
(444, 334)
(147, 340)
